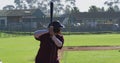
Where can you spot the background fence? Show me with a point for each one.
(27, 28)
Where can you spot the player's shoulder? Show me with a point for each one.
(39, 33)
(43, 30)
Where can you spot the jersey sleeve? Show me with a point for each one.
(39, 33)
(61, 38)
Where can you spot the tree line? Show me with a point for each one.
(60, 6)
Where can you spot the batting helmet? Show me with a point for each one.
(56, 24)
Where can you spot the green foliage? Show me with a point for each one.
(93, 9)
(75, 10)
(110, 9)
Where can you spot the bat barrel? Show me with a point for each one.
(51, 11)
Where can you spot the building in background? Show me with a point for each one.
(21, 19)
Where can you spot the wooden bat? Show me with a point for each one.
(51, 11)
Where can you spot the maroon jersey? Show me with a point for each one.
(48, 49)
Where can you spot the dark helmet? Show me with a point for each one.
(56, 24)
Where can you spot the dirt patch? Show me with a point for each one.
(90, 48)
(86, 48)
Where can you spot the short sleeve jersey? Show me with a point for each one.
(48, 49)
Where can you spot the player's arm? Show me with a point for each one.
(54, 38)
(57, 41)
(39, 33)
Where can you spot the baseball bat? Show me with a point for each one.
(51, 19)
(51, 11)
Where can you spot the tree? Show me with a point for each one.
(110, 9)
(25, 4)
(116, 8)
(43, 5)
(96, 9)
(75, 10)
(18, 4)
(67, 10)
(8, 7)
(71, 2)
(31, 3)
(58, 8)
(69, 5)
(93, 9)
(102, 9)
(113, 7)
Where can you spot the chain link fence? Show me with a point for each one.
(27, 28)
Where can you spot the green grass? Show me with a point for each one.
(95, 39)
(24, 49)
(18, 49)
(109, 56)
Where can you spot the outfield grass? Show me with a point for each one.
(92, 40)
(23, 49)
(109, 56)
(18, 49)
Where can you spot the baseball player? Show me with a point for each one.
(50, 41)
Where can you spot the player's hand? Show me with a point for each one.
(51, 31)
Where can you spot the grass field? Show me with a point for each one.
(109, 56)
(92, 40)
(23, 49)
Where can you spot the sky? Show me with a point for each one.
(83, 5)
